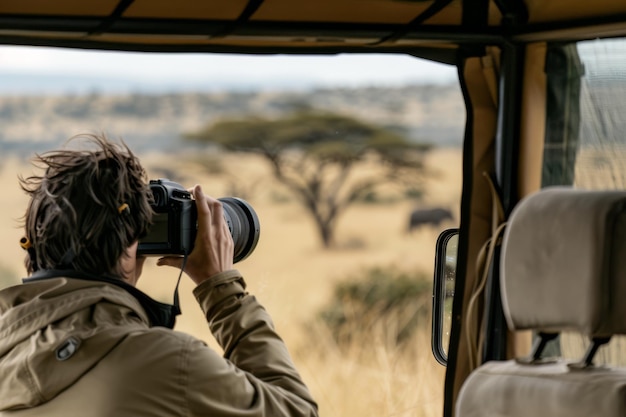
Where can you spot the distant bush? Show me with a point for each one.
(278, 197)
(379, 303)
(352, 243)
(373, 197)
(369, 197)
(414, 193)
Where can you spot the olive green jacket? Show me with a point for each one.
(74, 347)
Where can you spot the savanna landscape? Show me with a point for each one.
(356, 316)
(368, 373)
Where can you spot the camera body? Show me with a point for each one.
(175, 222)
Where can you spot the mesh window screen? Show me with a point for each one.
(586, 140)
(601, 163)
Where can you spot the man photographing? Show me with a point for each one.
(77, 337)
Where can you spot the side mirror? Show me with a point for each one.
(443, 292)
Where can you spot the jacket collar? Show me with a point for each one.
(159, 314)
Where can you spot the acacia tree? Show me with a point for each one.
(315, 154)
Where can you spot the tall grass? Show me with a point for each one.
(372, 375)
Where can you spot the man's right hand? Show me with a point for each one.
(213, 248)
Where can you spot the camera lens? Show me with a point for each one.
(243, 224)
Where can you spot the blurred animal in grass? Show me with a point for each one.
(431, 216)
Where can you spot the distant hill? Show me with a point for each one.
(33, 83)
(426, 113)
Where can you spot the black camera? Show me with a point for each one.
(175, 222)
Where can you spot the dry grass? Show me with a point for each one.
(293, 277)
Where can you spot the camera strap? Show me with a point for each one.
(176, 305)
(159, 314)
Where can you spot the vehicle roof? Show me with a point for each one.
(430, 29)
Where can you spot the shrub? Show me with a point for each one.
(380, 303)
(413, 193)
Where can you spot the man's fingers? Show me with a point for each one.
(212, 252)
(210, 210)
(175, 261)
(204, 214)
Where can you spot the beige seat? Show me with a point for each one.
(563, 268)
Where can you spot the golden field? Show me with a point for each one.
(294, 277)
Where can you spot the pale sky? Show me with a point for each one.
(221, 69)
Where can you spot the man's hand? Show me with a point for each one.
(213, 248)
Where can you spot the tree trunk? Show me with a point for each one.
(327, 234)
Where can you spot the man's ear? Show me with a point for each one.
(131, 266)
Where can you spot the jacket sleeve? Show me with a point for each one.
(256, 377)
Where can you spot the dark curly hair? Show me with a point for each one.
(76, 218)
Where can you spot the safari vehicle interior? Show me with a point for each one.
(544, 85)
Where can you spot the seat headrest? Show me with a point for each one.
(563, 264)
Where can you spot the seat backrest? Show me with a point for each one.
(563, 268)
(563, 262)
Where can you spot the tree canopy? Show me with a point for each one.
(315, 153)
